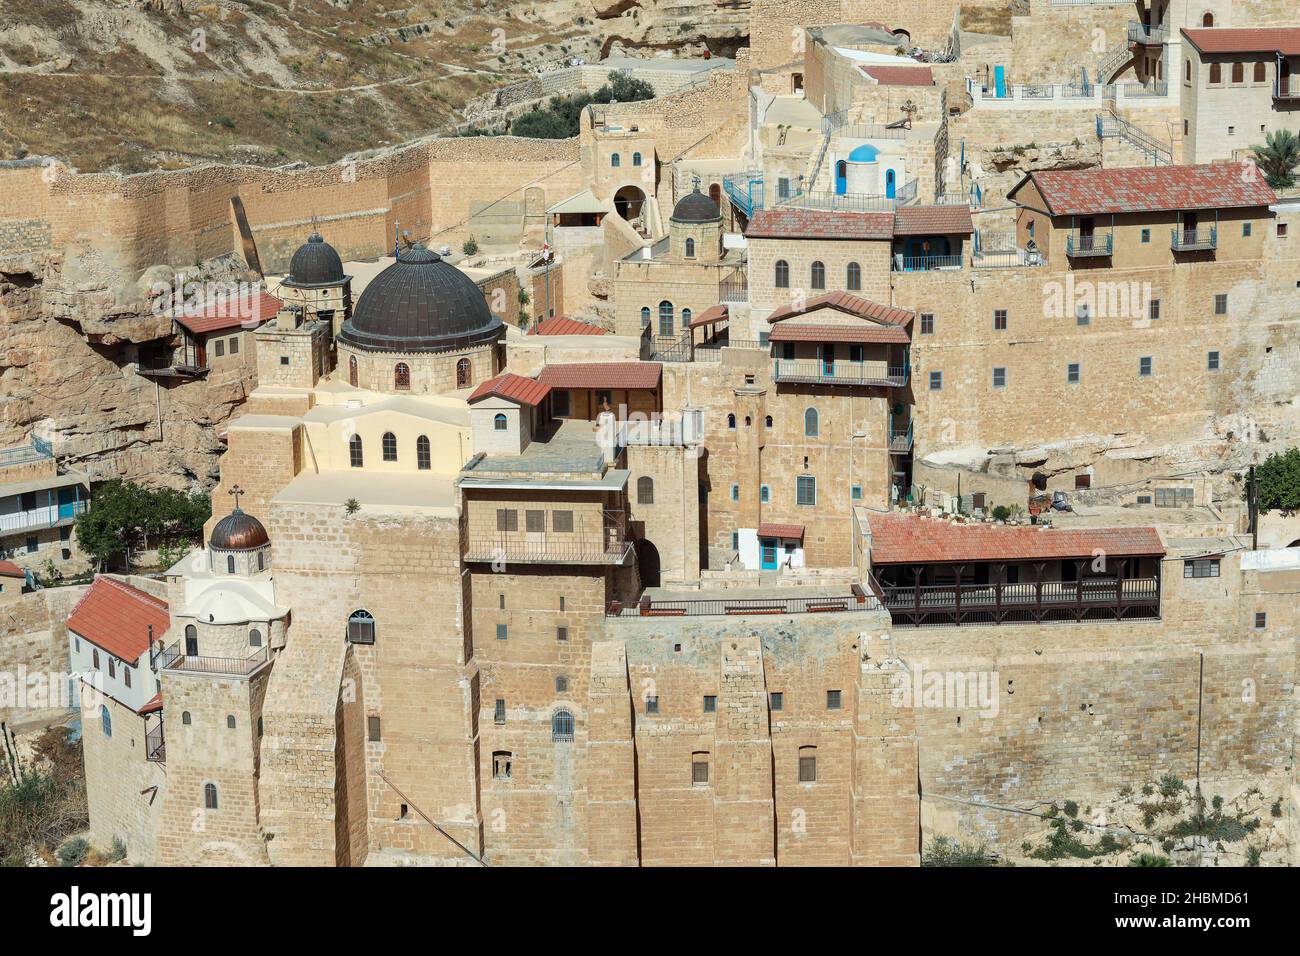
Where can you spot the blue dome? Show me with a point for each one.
(866, 153)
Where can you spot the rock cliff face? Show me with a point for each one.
(67, 371)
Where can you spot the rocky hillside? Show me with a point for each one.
(140, 84)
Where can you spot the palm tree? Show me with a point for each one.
(1278, 158)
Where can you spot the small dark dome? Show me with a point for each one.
(696, 207)
(238, 531)
(315, 264)
(420, 304)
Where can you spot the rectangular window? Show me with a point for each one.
(787, 350)
(832, 700)
(112, 667)
(807, 769)
(1281, 230)
(562, 521)
(936, 381)
(562, 634)
(855, 492)
(499, 712)
(372, 728)
(1082, 316)
(1174, 497)
(1201, 568)
(1000, 377)
(699, 771)
(710, 704)
(1153, 309)
(1221, 303)
(652, 705)
(805, 490)
(284, 360)
(507, 519)
(502, 764)
(534, 521)
(1144, 499)
(1261, 620)
(1212, 361)
(1146, 235)
(776, 700)
(1245, 230)
(502, 632)
(220, 348)
(1082, 481)
(1072, 373)
(1000, 320)
(735, 492)
(765, 494)
(927, 323)
(234, 346)
(33, 545)
(501, 601)
(1144, 366)
(735, 540)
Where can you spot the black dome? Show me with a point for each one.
(696, 207)
(316, 263)
(420, 304)
(238, 531)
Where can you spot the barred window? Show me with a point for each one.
(776, 700)
(645, 490)
(1201, 568)
(499, 711)
(402, 377)
(361, 627)
(807, 764)
(833, 699)
(652, 705)
(210, 796)
(507, 519)
(534, 521)
(502, 763)
(710, 704)
(423, 461)
(699, 769)
(1174, 497)
(562, 727)
(390, 446)
(562, 521)
(806, 490)
(354, 451)
(372, 727)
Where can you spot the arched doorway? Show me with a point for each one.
(889, 184)
(629, 201)
(647, 563)
(841, 178)
(1207, 20)
(715, 193)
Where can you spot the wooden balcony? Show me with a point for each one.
(1092, 599)
(839, 372)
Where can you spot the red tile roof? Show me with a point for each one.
(780, 531)
(900, 75)
(925, 220)
(563, 325)
(116, 617)
(856, 334)
(516, 388)
(152, 705)
(1072, 192)
(787, 223)
(602, 375)
(907, 539)
(1284, 40)
(710, 316)
(849, 304)
(229, 312)
(10, 570)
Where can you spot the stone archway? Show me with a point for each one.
(647, 563)
(629, 202)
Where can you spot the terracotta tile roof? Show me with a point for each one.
(1072, 192)
(780, 531)
(563, 325)
(516, 388)
(855, 334)
(116, 617)
(602, 375)
(10, 570)
(711, 315)
(152, 705)
(849, 304)
(907, 539)
(1284, 40)
(923, 220)
(900, 75)
(787, 223)
(229, 312)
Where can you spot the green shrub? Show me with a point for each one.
(73, 852)
(943, 851)
(470, 246)
(1150, 859)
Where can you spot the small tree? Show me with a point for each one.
(1278, 158)
(124, 515)
(1278, 479)
(470, 246)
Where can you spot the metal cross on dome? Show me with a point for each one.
(236, 491)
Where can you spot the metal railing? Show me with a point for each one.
(1006, 259)
(816, 371)
(1193, 240)
(1111, 125)
(856, 600)
(46, 517)
(900, 439)
(155, 747)
(846, 202)
(38, 450)
(745, 190)
(1079, 244)
(1285, 90)
(546, 547)
(925, 263)
(174, 658)
(1146, 33)
(734, 287)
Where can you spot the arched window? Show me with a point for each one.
(690, 248)
(818, 276)
(254, 638)
(354, 451)
(422, 458)
(1207, 20)
(731, 422)
(1260, 72)
(261, 560)
(767, 422)
(361, 627)
(463, 376)
(186, 719)
(616, 160)
(402, 377)
(210, 796)
(748, 421)
(500, 423)
(105, 720)
(1216, 73)
(230, 564)
(230, 721)
(666, 318)
(810, 423)
(782, 278)
(853, 277)
(1239, 72)
(645, 316)
(636, 159)
(562, 726)
(645, 490)
(390, 446)
(352, 370)
(686, 318)
(1187, 70)
(191, 641)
